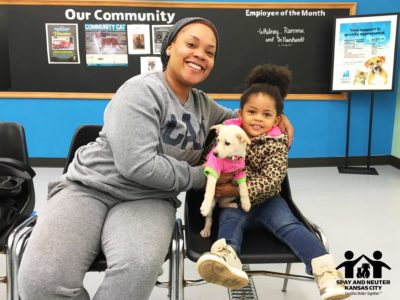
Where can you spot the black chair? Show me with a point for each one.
(259, 246)
(13, 145)
(82, 136)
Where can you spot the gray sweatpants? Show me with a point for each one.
(76, 223)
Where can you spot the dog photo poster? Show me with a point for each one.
(106, 45)
(62, 43)
(364, 53)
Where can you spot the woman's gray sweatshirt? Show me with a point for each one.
(150, 143)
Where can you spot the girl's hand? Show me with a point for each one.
(287, 127)
(226, 190)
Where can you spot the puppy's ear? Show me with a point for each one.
(217, 127)
(367, 63)
(243, 138)
(383, 58)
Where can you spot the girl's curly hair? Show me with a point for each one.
(268, 79)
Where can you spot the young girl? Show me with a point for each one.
(261, 107)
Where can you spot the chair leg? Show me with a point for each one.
(285, 282)
(171, 285)
(180, 259)
(171, 269)
(15, 247)
(176, 263)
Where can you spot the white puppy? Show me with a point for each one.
(227, 156)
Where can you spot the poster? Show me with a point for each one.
(159, 32)
(62, 43)
(139, 39)
(106, 45)
(150, 64)
(364, 53)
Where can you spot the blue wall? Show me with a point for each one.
(320, 126)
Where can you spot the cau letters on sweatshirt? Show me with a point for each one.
(191, 139)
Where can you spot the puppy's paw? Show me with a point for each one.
(245, 203)
(205, 233)
(205, 208)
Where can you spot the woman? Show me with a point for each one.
(120, 192)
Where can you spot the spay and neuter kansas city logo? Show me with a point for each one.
(364, 276)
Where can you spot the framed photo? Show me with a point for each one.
(364, 53)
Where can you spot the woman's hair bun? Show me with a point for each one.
(279, 76)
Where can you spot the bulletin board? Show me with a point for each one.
(44, 64)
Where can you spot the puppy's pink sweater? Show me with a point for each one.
(215, 166)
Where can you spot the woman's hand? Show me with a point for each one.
(224, 187)
(226, 190)
(286, 126)
(225, 178)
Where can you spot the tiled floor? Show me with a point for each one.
(360, 213)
